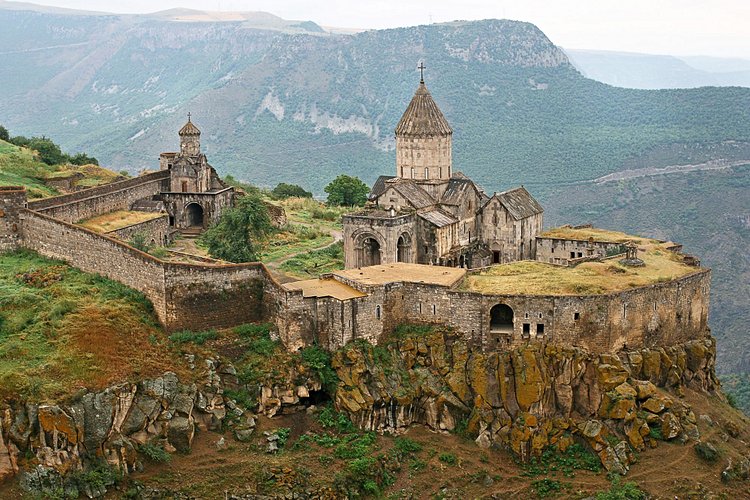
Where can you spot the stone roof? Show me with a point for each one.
(439, 218)
(519, 203)
(418, 197)
(458, 187)
(423, 117)
(380, 186)
(189, 129)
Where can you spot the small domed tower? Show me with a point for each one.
(423, 139)
(190, 139)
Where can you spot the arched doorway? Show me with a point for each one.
(194, 213)
(403, 254)
(501, 319)
(371, 252)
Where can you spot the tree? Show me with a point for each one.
(284, 190)
(49, 152)
(83, 159)
(234, 238)
(346, 190)
(4, 135)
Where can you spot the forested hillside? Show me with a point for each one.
(285, 102)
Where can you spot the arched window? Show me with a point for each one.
(377, 312)
(426, 173)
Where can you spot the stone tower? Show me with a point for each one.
(12, 201)
(423, 140)
(190, 139)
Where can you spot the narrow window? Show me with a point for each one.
(377, 312)
(540, 315)
(624, 311)
(654, 306)
(576, 316)
(572, 255)
(434, 309)
(553, 250)
(540, 328)
(580, 255)
(526, 329)
(526, 315)
(420, 308)
(426, 173)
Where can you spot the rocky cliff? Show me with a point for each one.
(530, 398)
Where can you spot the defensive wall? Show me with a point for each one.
(158, 231)
(12, 201)
(98, 200)
(653, 315)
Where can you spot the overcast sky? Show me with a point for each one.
(678, 27)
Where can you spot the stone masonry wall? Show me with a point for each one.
(560, 251)
(102, 199)
(157, 231)
(185, 296)
(12, 201)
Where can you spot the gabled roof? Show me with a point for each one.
(379, 187)
(423, 117)
(458, 186)
(518, 202)
(439, 218)
(189, 129)
(418, 197)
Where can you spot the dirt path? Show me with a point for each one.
(274, 265)
(672, 169)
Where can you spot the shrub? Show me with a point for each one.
(546, 487)
(234, 238)
(198, 338)
(405, 446)
(283, 434)
(331, 419)
(319, 361)
(154, 453)
(283, 191)
(622, 491)
(448, 458)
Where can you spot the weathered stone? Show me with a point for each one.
(644, 389)
(670, 427)
(181, 432)
(653, 404)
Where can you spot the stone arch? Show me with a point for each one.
(403, 248)
(194, 214)
(501, 319)
(369, 250)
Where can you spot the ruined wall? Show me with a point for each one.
(99, 200)
(12, 201)
(157, 231)
(561, 251)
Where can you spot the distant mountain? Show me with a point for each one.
(646, 71)
(292, 103)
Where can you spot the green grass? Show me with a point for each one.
(315, 262)
(62, 329)
(198, 338)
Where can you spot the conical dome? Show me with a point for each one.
(423, 117)
(189, 129)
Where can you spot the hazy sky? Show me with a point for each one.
(679, 27)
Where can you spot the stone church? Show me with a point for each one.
(197, 196)
(429, 214)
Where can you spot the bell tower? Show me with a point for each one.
(190, 139)
(423, 139)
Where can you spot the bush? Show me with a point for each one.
(154, 453)
(235, 237)
(319, 361)
(405, 446)
(546, 487)
(448, 458)
(198, 338)
(283, 191)
(258, 337)
(622, 491)
(329, 418)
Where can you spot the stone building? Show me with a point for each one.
(197, 196)
(429, 214)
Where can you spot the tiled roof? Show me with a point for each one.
(423, 117)
(418, 197)
(189, 129)
(439, 218)
(379, 187)
(457, 189)
(519, 203)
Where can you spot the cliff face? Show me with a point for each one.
(529, 398)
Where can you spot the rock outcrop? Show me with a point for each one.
(111, 424)
(529, 398)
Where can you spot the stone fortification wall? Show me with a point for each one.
(656, 315)
(102, 199)
(12, 201)
(157, 231)
(185, 296)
